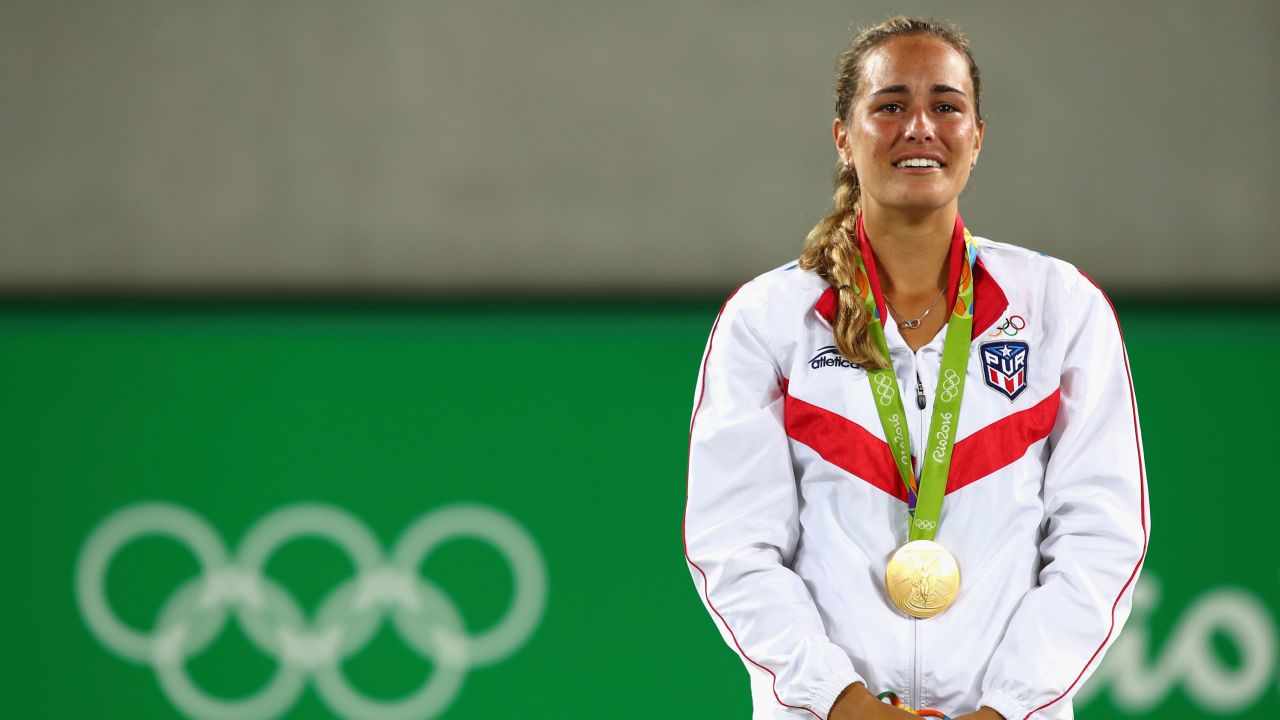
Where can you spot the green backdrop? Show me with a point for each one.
(569, 419)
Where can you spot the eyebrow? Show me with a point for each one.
(892, 89)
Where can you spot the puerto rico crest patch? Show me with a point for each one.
(1004, 367)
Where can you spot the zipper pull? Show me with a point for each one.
(919, 392)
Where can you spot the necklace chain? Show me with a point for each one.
(914, 324)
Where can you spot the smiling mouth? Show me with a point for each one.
(918, 163)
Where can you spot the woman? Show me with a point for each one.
(915, 464)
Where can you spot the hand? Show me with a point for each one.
(857, 703)
(983, 713)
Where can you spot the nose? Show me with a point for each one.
(919, 126)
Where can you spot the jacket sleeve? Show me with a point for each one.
(741, 521)
(1096, 526)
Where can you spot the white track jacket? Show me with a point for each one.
(794, 503)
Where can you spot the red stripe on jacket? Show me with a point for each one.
(1142, 508)
(1002, 443)
(854, 449)
(684, 538)
(843, 443)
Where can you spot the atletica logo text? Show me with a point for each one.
(829, 356)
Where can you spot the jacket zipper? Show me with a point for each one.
(914, 692)
(914, 689)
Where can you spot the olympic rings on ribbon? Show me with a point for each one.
(1010, 327)
(950, 385)
(345, 621)
(884, 388)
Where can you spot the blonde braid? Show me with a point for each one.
(831, 251)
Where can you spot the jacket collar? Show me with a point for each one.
(989, 301)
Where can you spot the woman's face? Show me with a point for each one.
(914, 108)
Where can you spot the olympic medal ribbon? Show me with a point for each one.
(944, 425)
(922, 579)
(939, 443)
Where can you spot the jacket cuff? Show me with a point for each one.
(1005, 704)
(824, 696)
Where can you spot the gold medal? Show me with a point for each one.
(922, 578)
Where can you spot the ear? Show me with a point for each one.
(977, 139)
(841, 139)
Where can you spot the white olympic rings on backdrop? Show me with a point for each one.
(345, 621)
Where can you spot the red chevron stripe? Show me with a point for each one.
(1001, 443)
(852, 448)
(843, 443)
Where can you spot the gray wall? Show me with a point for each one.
(555, 145)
